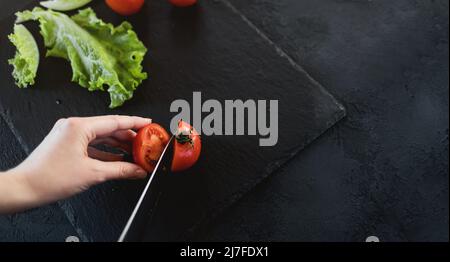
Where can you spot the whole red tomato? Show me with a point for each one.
(125, 7)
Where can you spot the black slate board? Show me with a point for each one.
(209, 49)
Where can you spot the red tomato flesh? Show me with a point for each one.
(149, 145)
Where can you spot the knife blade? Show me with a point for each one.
(142, 197)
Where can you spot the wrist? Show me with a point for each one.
(16, 193)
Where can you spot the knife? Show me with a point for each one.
(141, 199)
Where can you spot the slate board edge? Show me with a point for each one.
(212, 216)
(341, 113)
(284, 55)
(64, 205)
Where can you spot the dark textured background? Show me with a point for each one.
(207, 48)
(382, 171)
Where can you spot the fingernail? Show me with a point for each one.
(141, 173)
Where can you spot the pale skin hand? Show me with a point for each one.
(66, 164)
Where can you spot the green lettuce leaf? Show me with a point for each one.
(99, 53)
(26, 60)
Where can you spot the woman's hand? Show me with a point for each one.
(65, 163)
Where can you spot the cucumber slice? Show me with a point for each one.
(64, 5)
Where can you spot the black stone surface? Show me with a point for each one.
(210, 49)
(383, 170)
(48, 223)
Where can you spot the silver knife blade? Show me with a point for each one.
(144, 193)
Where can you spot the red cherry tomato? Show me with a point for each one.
(183, 3)
(187, 147)
(125, 7)
(149, 145)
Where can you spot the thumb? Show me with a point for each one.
(119, 170)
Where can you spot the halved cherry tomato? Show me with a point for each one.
(183, 3)
(187, 147)
(125, 7)
(149, 145)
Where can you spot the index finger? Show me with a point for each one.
(106, 125)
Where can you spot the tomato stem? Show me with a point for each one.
(184, 138)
